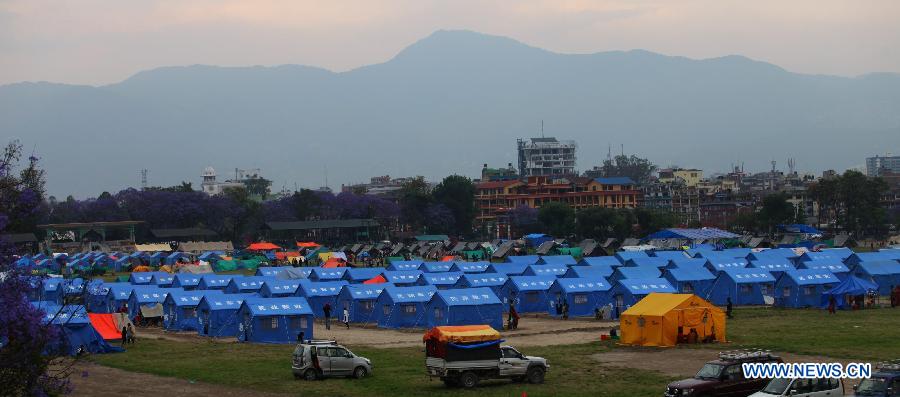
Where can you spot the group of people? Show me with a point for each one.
(345, 317)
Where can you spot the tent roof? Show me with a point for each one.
(188, 279)
(262, 246)
(638, 272)
(691, 274)
(600, 260)
(834, 267)
(530, 259)
(548, 270)
(591, 271)
(472, 267)
(282, 286)
(485, 279)
(216, 279)
(278, 306)
(190, 298)
(812, 277)
(853, 286)
(322, 288)
(226, 301)
(462, 334)
(416, 294)
(403, 276)
(362, 273)
(331, 273)
(692, 234)
(658, 304)
(559, 260)
(749, 275)
(436, 266)
(643, 286)
(880, 268)
(532, 283)
(363, 291)
(772, 266)
(571, 285)
(444, 278)
(379, 279)
(468, 297)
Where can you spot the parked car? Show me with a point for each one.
(468, 367)
(885, 382)
(723, 377)
(802, 388)
(319, 359)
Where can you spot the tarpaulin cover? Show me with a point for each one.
(656, 319)
(477, 345)
(154, 310)
(105, 324)
(263, 246)
(379, 279)
(448, 258)
(307, 244)
(462, 334)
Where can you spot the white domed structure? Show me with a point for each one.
(209, 171)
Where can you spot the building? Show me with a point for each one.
(546, 157)
(877, 165)
(379, 186)
(691, 177)
(499, 174)
(495, 199)
(212, 187)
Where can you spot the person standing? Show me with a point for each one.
(728, 308)
(124, 335)
(327, 310)
(131, 337)
(346, 318)
(565, 310)
(832, 304)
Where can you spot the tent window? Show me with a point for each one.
(386, 309)
(580, 299)
(531, 297)
(438, 313)
(786, 291)
(809, 290)
(294, 323)
(746, 289)
(409, 309)
(367, 305)
(269, 323)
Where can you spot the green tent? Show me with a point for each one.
(392, 259)
(475, 254)
(573, 251)
(251, 264)
(122, 279)
(225, 266)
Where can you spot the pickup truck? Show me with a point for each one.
(885, 382)
(723, 377)
(466, 368)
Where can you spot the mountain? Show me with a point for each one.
(446, 104)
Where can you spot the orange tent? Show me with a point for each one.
(448, 258)
(379, 279)
(334, 262)
(308, 244)
(263, 246)
(461, 334)
(142, 268)
(105, 325)
(288, 254)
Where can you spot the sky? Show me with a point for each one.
(99, 42)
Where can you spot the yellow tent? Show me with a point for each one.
(325, 256)
(657, 319)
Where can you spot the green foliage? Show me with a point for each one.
(558, 218)
(776, 210)
(20, 194)
(457, 193)
(184, 187)
(258, 186)
(634, 167)
(305, 203)
(415, 198)
(852, 201)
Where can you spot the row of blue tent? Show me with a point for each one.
(117, 261)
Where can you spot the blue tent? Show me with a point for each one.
(625, 293)
(141, 278)
(180, 309)
(686, 263)
(243, 285)
(774, 265)
(736, 252)
(404, 265)
(892, 253)
(837, 254)
(536, 239)
(214, 281)
(146, 296)
(435, 267)
(851, 286)
(268, 271)
(359, 300)
(157, 258)
(718, 263)
(403, 307)
(470, 306)
(320, 293)
(445, 280)
(610, 261)
(745, 286)
(588, 272)
(835, 267)
(529, 293)
(670, 255)
(526, 259)
(509, 269)
(187, 281)
(25, 261)
(799, 228)
(470, 267)
(76, 287)
(174, 257)
(803, 288)
(274, 320)
(327, 273)
(162, 279)
(658, 263)
(624, 256)
(705, 233)
(117, 295)
(565, 260)
(217, 314)
(494, 281)
(210, 256)
(52, 289)
(582, 294)
(279, 288)
(96, 299)
(859, 257)
(885, 273)
(406, 278)
(690, 280)
(546, 270)
(622, 273)
(295, 273)
(75, 330)
(355, 275)
(780, 252)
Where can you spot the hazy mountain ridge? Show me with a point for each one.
(446, 104)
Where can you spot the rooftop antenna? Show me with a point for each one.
(609, 151)
(791, 165)
(623, 148)
(326, 175)
(144, 179)
(542, 128)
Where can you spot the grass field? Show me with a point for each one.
(864, 335)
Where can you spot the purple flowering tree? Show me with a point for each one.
(25, 366)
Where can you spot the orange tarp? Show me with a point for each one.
(308, 244)
(462, 334)
(105, 325)
(140, 269)
(379, 279)
(288, 254)
(263, 247)
(334, 262)
(448, 258)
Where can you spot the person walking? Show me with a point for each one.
(728, 308)
(124, 335)
(327, 310)
(832, 303)
(131, 337)
(565, 310)
(346, 318)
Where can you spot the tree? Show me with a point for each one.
(852, 201)
(439, 219)
(306, 204)
(745, 222)
(415, 197)
(457, 193)
(776, 210)
(22, 193)
(558, 218)
(651, 221)
(258, 186)
(634, 167)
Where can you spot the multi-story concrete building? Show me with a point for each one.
(546, 157)
(499, 174)
(494, 200)
(876, 166)
(378, 186)
(691, 177)
(212, 187)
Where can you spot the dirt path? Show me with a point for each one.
(99, 381)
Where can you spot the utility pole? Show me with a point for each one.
(144, 179)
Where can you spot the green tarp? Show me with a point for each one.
(392, 259)
(473, 254)
(225, 266)
(574, 251)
